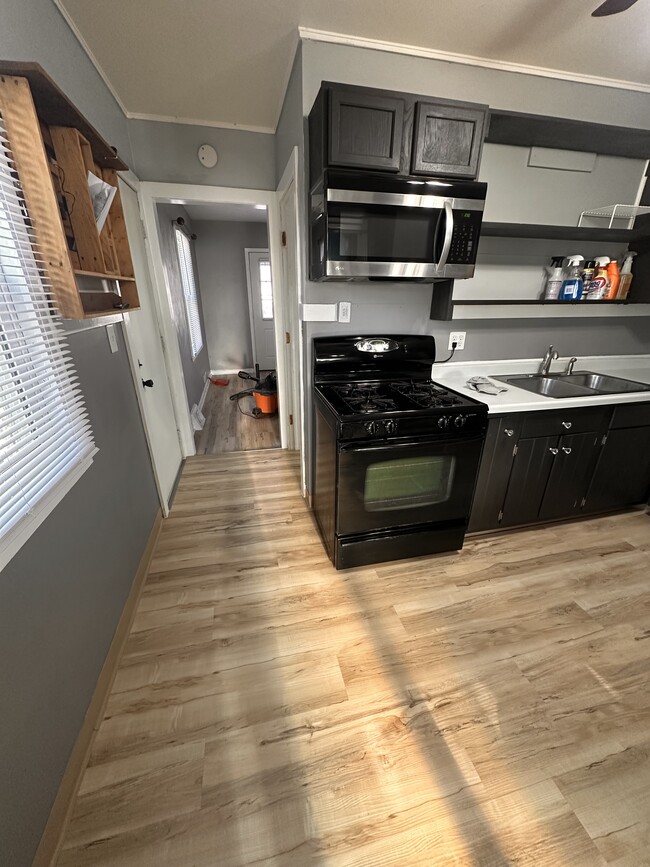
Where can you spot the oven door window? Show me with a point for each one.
(374, 233)
(409, 483)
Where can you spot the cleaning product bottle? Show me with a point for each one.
(588, 274)
(613, 278)
(626, 276)
(598, 285)
(555, 279)
(572, 284)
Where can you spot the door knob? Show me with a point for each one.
(147, 383)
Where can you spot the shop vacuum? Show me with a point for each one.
(265, 392)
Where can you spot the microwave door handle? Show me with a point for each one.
(449, 231)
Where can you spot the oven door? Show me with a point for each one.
(403, 484)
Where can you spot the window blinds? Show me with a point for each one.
(189, 290)
(44, 429)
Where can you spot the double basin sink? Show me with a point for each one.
(581, 383)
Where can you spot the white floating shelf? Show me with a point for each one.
(584, 310)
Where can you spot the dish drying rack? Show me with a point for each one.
(617, 212)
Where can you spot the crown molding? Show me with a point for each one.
(192, 121)
(80, 39)
(311, 35)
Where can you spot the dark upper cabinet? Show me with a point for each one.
(622, 474)
(387, 131)
(573, 462)
(447, 139)
(365, 130)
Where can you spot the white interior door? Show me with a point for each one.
(145, 349)
(260, 299)
(288, 218)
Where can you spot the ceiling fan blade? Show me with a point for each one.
(611, 7)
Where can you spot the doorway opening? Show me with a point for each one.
(217, 266)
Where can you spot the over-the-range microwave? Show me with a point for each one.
(369, 226)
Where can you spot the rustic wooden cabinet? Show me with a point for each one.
(447, 139)
(90, 272)
(544, 466)
(376, 130)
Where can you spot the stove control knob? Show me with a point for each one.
(371, 427)
(390, 426)
(443, 422)
(460, 420)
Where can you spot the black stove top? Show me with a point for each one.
(368, 398)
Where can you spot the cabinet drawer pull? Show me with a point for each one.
(567, 424)
(554, 451)
(509, 432)
(566, 450)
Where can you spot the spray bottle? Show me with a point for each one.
(613, 280)
(572, 285)
(626, 275)
(598, 286)
(555, 279)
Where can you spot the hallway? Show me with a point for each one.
(229, 425)
(486, 707)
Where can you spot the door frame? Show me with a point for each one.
(290, 190)
(130, 180)
(153, 193)
(251, 317)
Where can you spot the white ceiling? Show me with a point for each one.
(227, 62)
(224, 211)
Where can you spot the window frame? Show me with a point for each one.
(191, 301)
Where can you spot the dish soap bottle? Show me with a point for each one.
(598, 286)
(626, 275)
(572, 284)
(613, 280)
(555, 279)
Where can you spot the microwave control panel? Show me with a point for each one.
(464, 240)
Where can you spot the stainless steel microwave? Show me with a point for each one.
(366, 226)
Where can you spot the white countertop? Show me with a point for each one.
(455, 374)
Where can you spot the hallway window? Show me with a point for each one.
(45, 437)
(266, 288)
(190, 295)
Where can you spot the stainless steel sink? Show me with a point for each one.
(602, 383)
(581, 383)
(549, 386)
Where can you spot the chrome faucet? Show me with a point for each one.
(551, 355)
(569, 367)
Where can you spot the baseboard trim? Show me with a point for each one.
(204, 393)
(50, 844)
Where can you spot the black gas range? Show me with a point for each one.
(396, 454)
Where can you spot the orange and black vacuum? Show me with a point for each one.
(265, 392)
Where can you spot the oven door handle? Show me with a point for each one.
(382, 445)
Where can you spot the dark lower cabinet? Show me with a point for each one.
(622, 474)
(534, 470)
(573, 461)
(528, 477)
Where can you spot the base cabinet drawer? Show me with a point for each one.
(561, 422)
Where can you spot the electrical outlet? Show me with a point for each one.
(345, 311)
(457, 337)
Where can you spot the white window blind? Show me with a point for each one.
(189, 290)
(45, 435)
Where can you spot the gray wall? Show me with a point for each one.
(290, 123)
(194, 370)
(62, 595)
(222, 271)
(168, 152)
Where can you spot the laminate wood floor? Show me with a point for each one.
(488, 707)
(227, 429)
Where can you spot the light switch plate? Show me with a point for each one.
(345, 311)
(112, 339)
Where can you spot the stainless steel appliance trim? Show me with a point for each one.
(397, 270)
(405, 200)
(449, 231)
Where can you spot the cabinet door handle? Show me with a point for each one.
(509, 432)
(566, 450)
(554, 451)
(567, 424)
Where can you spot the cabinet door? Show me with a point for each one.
(528, 479)
(569, 478)
(447, 140)
(365, 130)
(494, 472)
(622, 474)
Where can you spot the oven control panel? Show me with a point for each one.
(459, 423)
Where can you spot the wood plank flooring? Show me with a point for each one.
(229, 430)
(488, 707)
